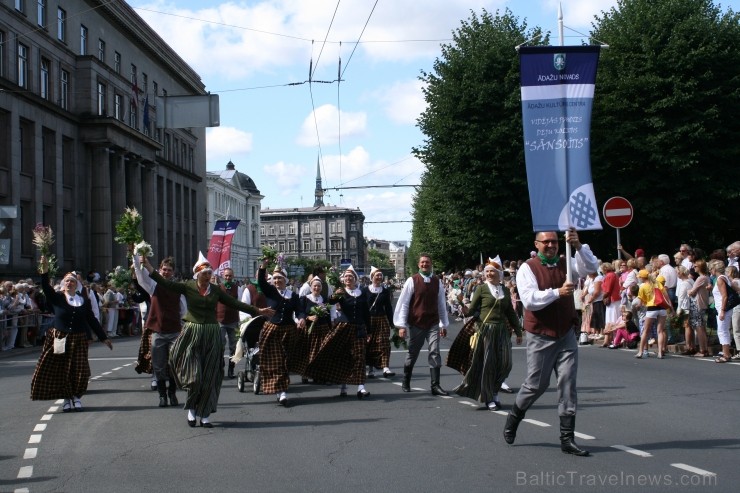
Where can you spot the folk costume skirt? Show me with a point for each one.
(144, 359)
(275, 346)
(379, 347)
(490, 365)
(460, 354)
(320, 330)
(196, 359)
(61, 376)
(341, 358)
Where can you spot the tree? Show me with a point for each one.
(665, 126)
(474, 189)
(378, 259)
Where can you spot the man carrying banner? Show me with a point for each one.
(550, 320)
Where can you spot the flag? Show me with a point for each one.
(557, 88)
(146, 112)
(134, 94)
(219, 251)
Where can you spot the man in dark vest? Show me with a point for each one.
(550, 321)
(422, 309)
(228, 318)
(164, 320)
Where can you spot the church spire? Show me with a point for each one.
(319, 194)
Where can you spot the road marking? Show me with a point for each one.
(30, 453)
(116, 369)
(693, 469)
(535, 422)
(446, 397)
(468, 403)
(59, 401)
(34, 439)
(584, 436)
(21, 490)
(396, 383)
(47, 417)
(105, 373)
(95, 377)
(129, 364)
(418, 389)
(25, 472)
(634, 451)
(502, 413)
(40, 427)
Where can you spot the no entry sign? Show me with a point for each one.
(617, 212)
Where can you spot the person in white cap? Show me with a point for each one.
(381, 321)
(65, 375)
(196, 357)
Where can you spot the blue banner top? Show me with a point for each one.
(551, 65)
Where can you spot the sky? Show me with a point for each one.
(275, 126)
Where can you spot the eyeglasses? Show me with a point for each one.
(547, 242)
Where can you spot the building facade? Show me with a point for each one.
(234, 195)
(397, 252)
(325, 232)
(78, 87)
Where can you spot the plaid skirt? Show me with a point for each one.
(341, 358)
(275, 347)
(458, 358)
(144, 359)
(379, 346)
(196, 359)
(61, 376)
(316, 339)
(298, 350)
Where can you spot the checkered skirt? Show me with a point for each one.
(341, 358)
(379, 346)
(61, 376)
(460, 354)
(144, 359)
(275, 347)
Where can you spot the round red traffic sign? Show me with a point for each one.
(617, 212)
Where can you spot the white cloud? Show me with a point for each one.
(402, 102)
(287, 177)
(577, 14)
(328, 123)
(225, 144)
(356, 168)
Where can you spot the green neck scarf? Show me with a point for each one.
(547, 261)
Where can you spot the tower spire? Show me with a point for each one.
(319, 194)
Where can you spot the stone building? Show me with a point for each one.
(328, 232)
(78, 87)
(394, 250)
(234, 195)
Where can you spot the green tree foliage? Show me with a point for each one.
(665, 124)
(378, 259)
(474, 193)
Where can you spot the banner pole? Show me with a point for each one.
(568, 252)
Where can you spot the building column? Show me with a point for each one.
(118, 205)
(149, 205)
(101, 224)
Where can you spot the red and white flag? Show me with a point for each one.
(219, 251)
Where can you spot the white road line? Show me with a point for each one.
(446, 397)
(116, 369)
(693, 469)
(129, 364)
(95, 377)
(47, 417)
(583, 436)
(30, 453)
(25, 472)
(34, 439)
(634, 451)
(502, 413)
(535, 422)
(106, 373)
(21, 490)
(468, 403)
(418, 389)
(396, 383)
(59, 401)
(40, 427)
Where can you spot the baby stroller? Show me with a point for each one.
(248, 346)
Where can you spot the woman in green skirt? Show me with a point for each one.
(491, 342)
(196, 357)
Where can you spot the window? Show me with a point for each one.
(318, 228)
(64, 89)
(166, 146)
(353, 242)
(2, 53)
(67, 160)
(144, 83)
(291, 246)
(61, 24)
(41, 13)
(281, 246)
(28, 166)
(44, 79)
(19, 5)
(262, 231)
(353, 227)
(101, 50)
(101, 99)
(133, 75)
(306, 229)
(118, 106)
(306, 245)
(117, 62)
(282, 229)
(83, 40)
(48, 154)
(339, 227)
(155, 90)
(291, 229)
(272, 230)
(336, 245)
(319, 245)
(22, 65)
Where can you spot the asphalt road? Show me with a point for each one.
(651, 425)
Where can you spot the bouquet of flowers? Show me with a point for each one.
(397, 340)
(120, 277)
(43, 239)
(269, 253)
(143, 249)
(333, 277)
(320, 310)
(127, 228)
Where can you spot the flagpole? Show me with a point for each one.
(567, 184)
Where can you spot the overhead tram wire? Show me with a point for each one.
(359, 38)
(339, 112)
(325, 38)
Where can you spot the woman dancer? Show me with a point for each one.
(381, 320)
(65, 375)
(196, 358)
(491, 361)
(319, 324)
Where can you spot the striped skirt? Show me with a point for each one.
(379, 346)
(61, 376)
(275, 347)
(144, 359)
(490, 365)
(196, 359)
(341, 358)
(458, 358)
